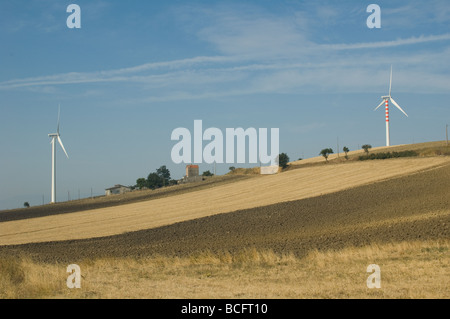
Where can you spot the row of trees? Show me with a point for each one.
(383, 155)
(327, 151)
(160, 178)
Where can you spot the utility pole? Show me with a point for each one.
(446, 133)
(338, 146)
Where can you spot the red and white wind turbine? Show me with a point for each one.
(386, 102)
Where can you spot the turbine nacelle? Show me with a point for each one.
(56, 136)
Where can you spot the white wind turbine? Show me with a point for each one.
(55, 136)
(386, 101)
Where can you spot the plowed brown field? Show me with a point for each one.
(284, 213)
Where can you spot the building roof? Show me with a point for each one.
(116, 186)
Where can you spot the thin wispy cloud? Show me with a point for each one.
(116, 75)
(218, 69)
(258, 52)
(417, 13)
(386, 44)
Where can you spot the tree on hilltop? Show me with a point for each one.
(283, 160)
(154, 181)
(366, 148)
(164, 174)
(207, 173)
(346, 150)
(325, 152)
(141, 183)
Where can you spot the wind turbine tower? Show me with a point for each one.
(386, 102)
(55, 136)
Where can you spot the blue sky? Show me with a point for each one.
(136, 70)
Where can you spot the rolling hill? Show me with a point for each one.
(243, 194)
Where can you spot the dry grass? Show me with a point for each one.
(408, 270)
(249, 193)
(245, 171)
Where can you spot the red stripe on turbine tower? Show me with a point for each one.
(387, 111)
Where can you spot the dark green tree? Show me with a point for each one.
(232, 168)
(325, 152)
(141, 183)
(207, 173)
(154, 181)
(346, 150)
(366, 148)
(164, 173)
(283, 160)
(26, 204)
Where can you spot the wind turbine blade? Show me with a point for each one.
(379, 105)
(390, 82)
(57, 128)
(60, 143)
(398, 106)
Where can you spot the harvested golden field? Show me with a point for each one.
(250, 273)
(258, 191)
(116, 200)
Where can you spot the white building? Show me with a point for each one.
(117, 189)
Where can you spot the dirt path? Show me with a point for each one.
(255, 192)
